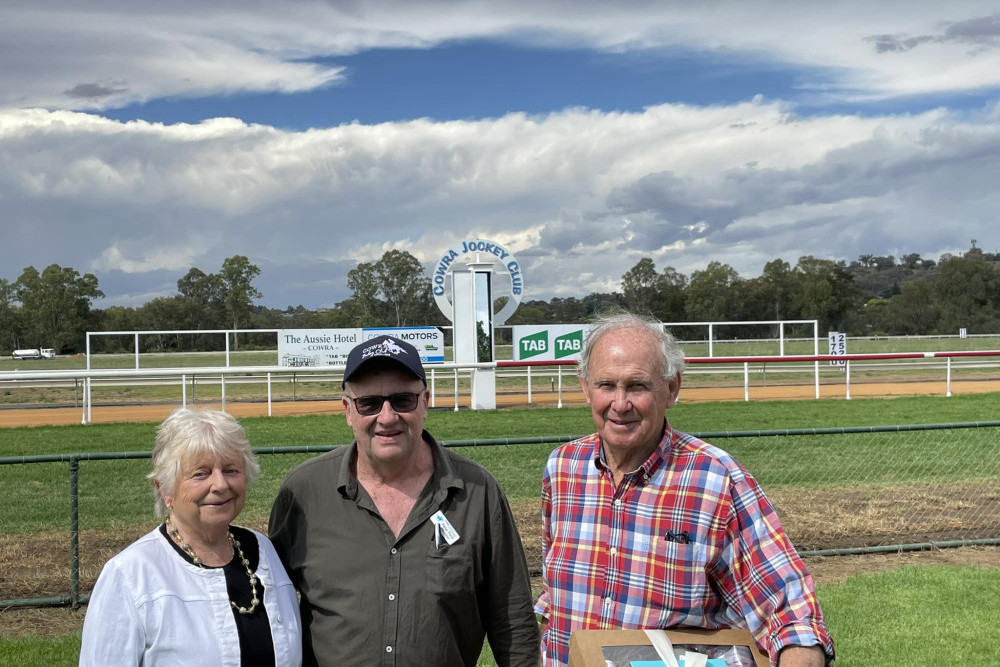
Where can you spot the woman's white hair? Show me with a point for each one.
(187, 434)
(671, 355)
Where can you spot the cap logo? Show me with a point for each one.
(384, 349)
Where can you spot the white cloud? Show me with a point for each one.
(579, 195)
(145, 259)
(105, 54)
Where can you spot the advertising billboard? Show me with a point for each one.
(552, 342)
(298, 348)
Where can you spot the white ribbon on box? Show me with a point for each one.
(665, 649)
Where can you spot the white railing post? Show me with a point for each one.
(456, 389)
(433, 392)
(847, 377)
(746, 382)
(948, 372)
(269, 394)
(184, 391)
(529, 384)
(559, 405)
(83, 402)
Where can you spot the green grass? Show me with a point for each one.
(36, 651)
(447, 424)
(42, 501)
(918, 616)
(876, 619)
(915, 616)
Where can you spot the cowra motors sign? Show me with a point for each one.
(554, 342)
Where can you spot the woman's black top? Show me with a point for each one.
(254, 630)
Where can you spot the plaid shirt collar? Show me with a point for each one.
(660, 456)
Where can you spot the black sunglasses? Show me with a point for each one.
(372, 405)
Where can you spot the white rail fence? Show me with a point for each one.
(448, 381)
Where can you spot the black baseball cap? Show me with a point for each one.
(384, 347)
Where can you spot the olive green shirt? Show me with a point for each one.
(370, 598)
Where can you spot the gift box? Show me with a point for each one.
(622, 648)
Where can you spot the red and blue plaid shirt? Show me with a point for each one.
(688, 539)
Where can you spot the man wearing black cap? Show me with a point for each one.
(405, 553)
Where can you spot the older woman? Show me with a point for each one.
(196, 590)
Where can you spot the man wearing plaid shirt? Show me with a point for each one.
(647, 527)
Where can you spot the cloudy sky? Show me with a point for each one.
(139, 139)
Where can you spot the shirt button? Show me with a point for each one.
(388, 649)
(607, 601)
(614, 551)
(618, 503)
(392, 596)
(393, 550)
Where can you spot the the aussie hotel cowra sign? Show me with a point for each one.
(329, 347)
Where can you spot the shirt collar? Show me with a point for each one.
(442, 479)
(659, 457)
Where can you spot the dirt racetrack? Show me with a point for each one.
(103, 414)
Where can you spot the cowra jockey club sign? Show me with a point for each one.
(509, 281)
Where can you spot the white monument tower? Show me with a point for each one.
(470, 280)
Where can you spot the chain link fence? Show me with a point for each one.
(836, 491)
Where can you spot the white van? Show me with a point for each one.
(34, 353)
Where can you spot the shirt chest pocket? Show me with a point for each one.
(674, 570)
(451, 570)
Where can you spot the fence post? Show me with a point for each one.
(433, 389)
(559, 374)
(529, 384)
(74, 532)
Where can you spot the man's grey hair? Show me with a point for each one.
(671, 355)
(187, 434)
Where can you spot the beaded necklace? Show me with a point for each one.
(237, 550)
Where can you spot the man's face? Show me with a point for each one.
(387, 438)
(627, 393)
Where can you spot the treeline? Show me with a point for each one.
(873, 295)
(908, 295)
(54, 308)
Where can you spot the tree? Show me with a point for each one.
(658, 294)
(9, 316)
(203, 300)
(392, 291)
(55, 305)
(914, 310)
(824, 291)
(778, 284)
(673, 300)
(116, 318)
(640, 287)
(363, 305)
(403, 285)
(712, 293)
(237, 276)
(968, 294)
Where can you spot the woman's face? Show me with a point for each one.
(208, 493)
